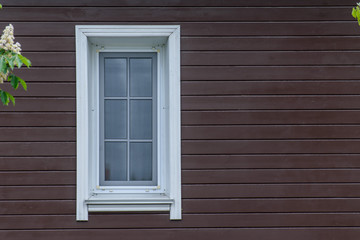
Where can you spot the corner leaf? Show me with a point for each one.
(24, 60)
(3, 65)
(14, 81)
(11, 97)
(4, 97)
(18, 62)
(23, 83)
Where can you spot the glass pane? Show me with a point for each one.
(140, 77)
(115, 77)
(115, 119)
(141, 161)
(140, 119)
(115, 161)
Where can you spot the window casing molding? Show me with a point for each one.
(91, 197)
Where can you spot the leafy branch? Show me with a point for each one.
(8, 61)
(10, 57)
(356, 13)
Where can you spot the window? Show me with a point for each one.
(128, 119)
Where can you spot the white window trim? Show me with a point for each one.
(113, 200)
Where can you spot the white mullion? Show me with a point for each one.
(128, 119)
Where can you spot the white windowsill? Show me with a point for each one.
(128, 202)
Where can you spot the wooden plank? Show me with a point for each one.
(207, 73)
(52, 59)
(269, 102)
(46, 74)
(265, 43)
(43, 44)
(271, 117)
(45, 178)
(49, 207)
(208, 191)
(136, 221)
(266, 205)
(37, 149)
(269, 58)
(242, 176)
(233, 58)
(45, 90)
(41, 105)
(270, 161)
(144, 14)
(202, 191)
(271, 176)
(37, 192)
(209, 103)
(162, 3)
(45, 119)
(37, 207)
(42, 134)
(270, 146)
(287, 29)
(37, 163)
(179, 234)
(269, 132)
(199, 88)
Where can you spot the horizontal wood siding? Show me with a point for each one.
(270, 121)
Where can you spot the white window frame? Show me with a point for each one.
(167, 195)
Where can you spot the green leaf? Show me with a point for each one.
(14, 81)
(11, 98)
(0, 6)
(10, 61)
(4, 97)
(353, 13)
(24, 60)
(23, 83)
(18, 62)
(3, 65)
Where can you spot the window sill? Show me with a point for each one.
(128, 202)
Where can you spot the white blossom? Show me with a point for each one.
(7, 40)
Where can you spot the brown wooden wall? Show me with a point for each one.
(270, 121)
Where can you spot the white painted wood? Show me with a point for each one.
(82, 122)
(174, 124)
(91, 196)
(129, 208)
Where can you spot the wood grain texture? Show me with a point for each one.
(269, 58)
(259, 43)
(270, 146)
(249, 117)
(154, 221)
(37, 192)
(37, 149)
(143, 14)
(270, 102)
(209, 73)
(227, 191)
(237, 43)
(37, 163)
(270, 121)
(314, 233)
(269, 132)
(161, 3)
(201, 88)
(46, 119)
(279, 161)
(31, 178)
(271, 176)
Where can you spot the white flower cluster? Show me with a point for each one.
(7, 40)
